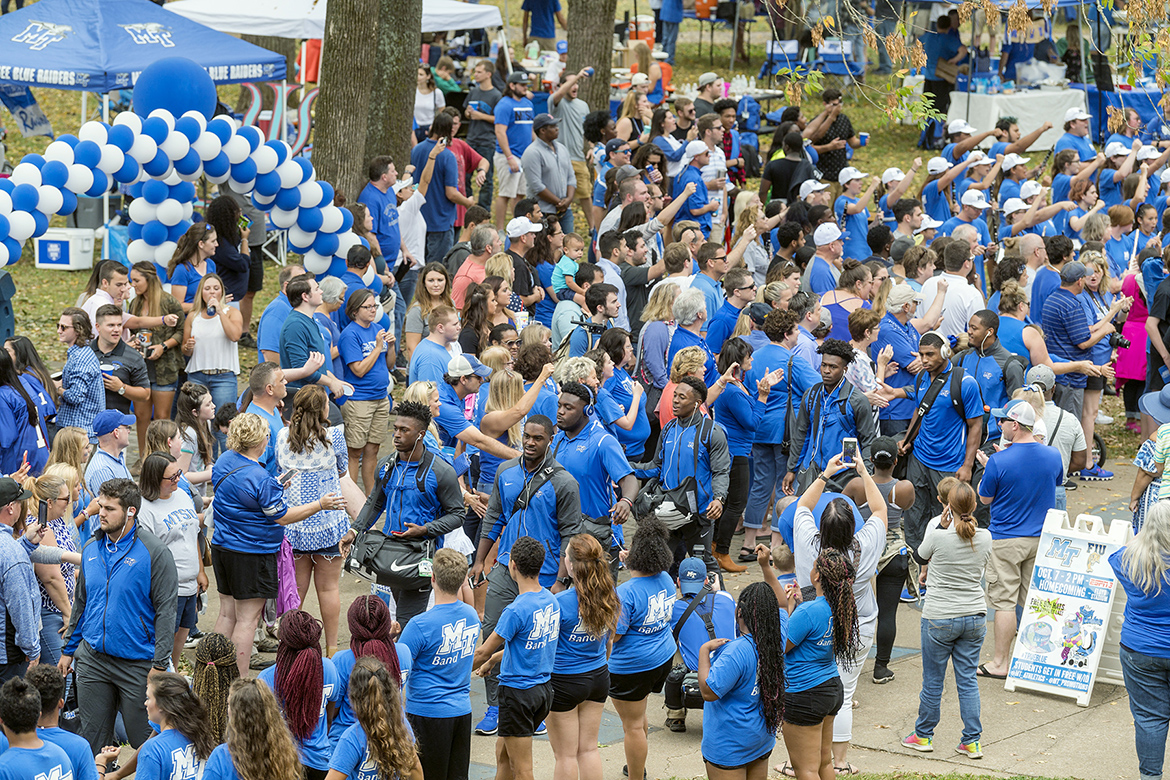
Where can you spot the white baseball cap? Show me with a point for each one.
(639, 78)
(1012, 160)
(1012, 205)
(693, 150)
(1030, 188)
(928, 223)
(809, 186)
(522, 226)
(1116, 149)
(826, 233)
(975, 199)
(960, 126)
(1018, 410)
(1165, 177)
(1147, 153)
(937, 165)
(1074, 113)
(977, 157)
(848, 174)
(892, 174)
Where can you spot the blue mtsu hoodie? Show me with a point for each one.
(125, 601)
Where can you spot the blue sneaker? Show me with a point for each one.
(541, 730)
(908, 597)
(490, 723)
(1095, 474)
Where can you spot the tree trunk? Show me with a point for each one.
(284, 46)
(590, 41)
(348, 64)
(391, 103)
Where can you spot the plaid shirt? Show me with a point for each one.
(82, 393)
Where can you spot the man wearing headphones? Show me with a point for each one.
(411, 512)
(123, 625)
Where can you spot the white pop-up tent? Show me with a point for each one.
(306, 18)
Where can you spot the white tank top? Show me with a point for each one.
(214, 351)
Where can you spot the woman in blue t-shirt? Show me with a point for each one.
(580, 678)
(623, 410)
(381, 737)
(821, 634)
(1141, 568)
(184, 740)
(643, 645)
(1119, 162)
(256, 740)
(935, 192)
(1083, 192)
(191, 262)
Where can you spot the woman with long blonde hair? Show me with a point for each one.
(57, 580)
(191, 261)
(644, 63)
(380, 735)
(71, 447)
(634, 117)
(317, 456)
(580, 679)
(257, 743)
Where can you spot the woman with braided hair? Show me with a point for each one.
(304, 682)
(371, 632)
(215, 670)
(954, 618)
(184, 740)
(258, 745)
(381, 736)
(743, 688)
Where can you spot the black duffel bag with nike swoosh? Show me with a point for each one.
(403, 564)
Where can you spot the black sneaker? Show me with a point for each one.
(677, 725)
(248, 341)
(882, 674)
(626, 771)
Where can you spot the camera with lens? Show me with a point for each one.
(591, 326)
(1119, 341)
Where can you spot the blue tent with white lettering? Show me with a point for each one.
(102, 45)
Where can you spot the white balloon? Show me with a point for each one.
(169, 212)
(193, 176)
(21, 225)
(315, 263)
(345, 242)
(142, 211)
(198, 117)
(176, 146)
(3, 255)
(50, 201)
(139, 251)
(236, 149)
(290, 175)
(131, 120)
(265, 159)
(26, 173)
(59, 150)
(163, 252)
(330, 219)
(311, 194)
(298, 237)
(171, 179)
(165, 116)
(5, 203)
(112, 159)
(286, 219)
(218, 179)
(93, 131)
(264, 200)
(80, 179)
(207, 146)
(188, 210)
(144, 149)
(242, 187)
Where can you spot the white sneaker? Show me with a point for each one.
(1104, 419)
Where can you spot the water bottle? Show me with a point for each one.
(521, 320)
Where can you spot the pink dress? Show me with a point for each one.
(1131, 362)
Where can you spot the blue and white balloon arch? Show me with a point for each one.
(157, 153)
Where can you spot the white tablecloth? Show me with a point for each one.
(1031, 108)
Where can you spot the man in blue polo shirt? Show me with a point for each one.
(690, 314)
(808, 310)
(712, 263)
(302, 349)
(464, 377)
(1076, 134)
(698, 206)
(948, 437)
(438, 210)
(596, 461)
(998, 372)
(268, 331)
(429, 360)
(269, 389)
(357, 270)
(740, 289)
(824, 268)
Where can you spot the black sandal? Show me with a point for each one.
(746, 555)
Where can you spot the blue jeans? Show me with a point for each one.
(1061, 498)
(439, 243)
(404, 289)
(51, 623)
(768, 470)
(959, 639)
(1147, 681)
(669, 39)
(223, 390)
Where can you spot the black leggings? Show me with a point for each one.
(737, 496)
(888, 590)
(1131, 391)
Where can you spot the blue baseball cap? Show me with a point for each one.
(110, 420)
(692, 573)
(562, 47)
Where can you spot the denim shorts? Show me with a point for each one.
(332, 551)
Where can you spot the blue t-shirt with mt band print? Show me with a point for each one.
(578, 651)
(530, 627)
(316, 749)
(644, 639)
(442, 642)
(169, 756)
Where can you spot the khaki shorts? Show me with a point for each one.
(1009, 571)
(366, 422)
(584, 183)
(511, 184)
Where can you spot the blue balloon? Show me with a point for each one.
(87, 153)
(217, 166)
(42, 224)
(25, 197)
(70, 139)
(258, 204)
(4, 226)
(268, 184)
(188, 127)
(326, 188)
(221, 130)
(155, 191)
(346, 220)
(159, 165)
(176, 84)
(134, 231)
(252, 135)
(306, 168)
(326, 244)
(308, 220)
(68, 203)
(101, 183)
(183, 191)
(245, 170)
(14, 250)
(154, 232)
(288, 199)
(35, 159)
(189, 164)
(55, 173)
(127, 173)
(7, 185)
(300, 250)
(133, 190)
(156, 128)
(175, 232)
(280, 149)
(336, 267)
(121, 137)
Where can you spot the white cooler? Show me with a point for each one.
(65, 249)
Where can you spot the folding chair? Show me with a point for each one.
(835, 58)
